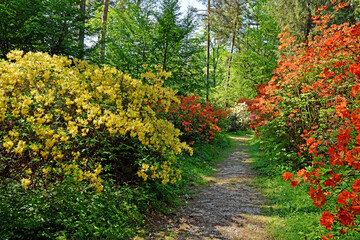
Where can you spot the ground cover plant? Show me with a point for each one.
(309, 114)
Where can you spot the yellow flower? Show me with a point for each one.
(46, 171)
(20, 147)
(28, 172)
(84, 161)
(98, 169)
(25, 183)
(8, 144)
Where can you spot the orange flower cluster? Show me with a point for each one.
(313, 99)
(197, 121)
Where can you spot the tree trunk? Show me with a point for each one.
(207, 53)
(165, 56)
(103, 25)
(308, 21)
(231, 51)
(215, 63)
(82, 7)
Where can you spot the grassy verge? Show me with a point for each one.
(291, 210)
(293, 215)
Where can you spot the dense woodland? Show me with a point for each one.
(107, 106)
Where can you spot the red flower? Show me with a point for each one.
(310, 141)
(345, 218)
(327, 220)
(301, 173)
(327, 237)
(318, 196)
(344, 196)
(287, 176)
(294, 182)
(356, 186)
(343, 231)
(329, 183)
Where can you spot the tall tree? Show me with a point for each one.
(257, 58)
(175, 44)
(41, 25)
(296, 14)
(82, 7)
(104, 18)
(254, 53)
(227, 18)
(207, 50)
(130, 36)
(140, 35)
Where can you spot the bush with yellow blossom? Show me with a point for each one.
(63, 119)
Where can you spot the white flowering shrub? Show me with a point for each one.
(239, 118)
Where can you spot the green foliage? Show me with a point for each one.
(64, 212)
(296, 14)
(257, 58)
(38, 25)
(254, 59)
(141, 36)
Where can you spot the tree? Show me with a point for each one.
(174, 44)
(251, 44)
(14, 23)
(37, 25)
(227, 20)
(257, 58)
(296, 14)
(130, 36)
(104, 18)
(139, 37)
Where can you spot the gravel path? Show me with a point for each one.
(229, 208)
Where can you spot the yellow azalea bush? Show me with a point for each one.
(57, 116)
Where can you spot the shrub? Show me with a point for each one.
(64, 119)
(198, 122)
(311, 106)
(239, 117)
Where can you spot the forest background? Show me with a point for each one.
(110, 125)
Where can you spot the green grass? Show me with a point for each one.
(291, 209)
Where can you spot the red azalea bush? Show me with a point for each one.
(312, 106)
(197, 121)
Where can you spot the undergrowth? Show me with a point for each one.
(68, 211)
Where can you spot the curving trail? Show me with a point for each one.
(229, 208)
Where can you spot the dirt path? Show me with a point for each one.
(229, 208)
